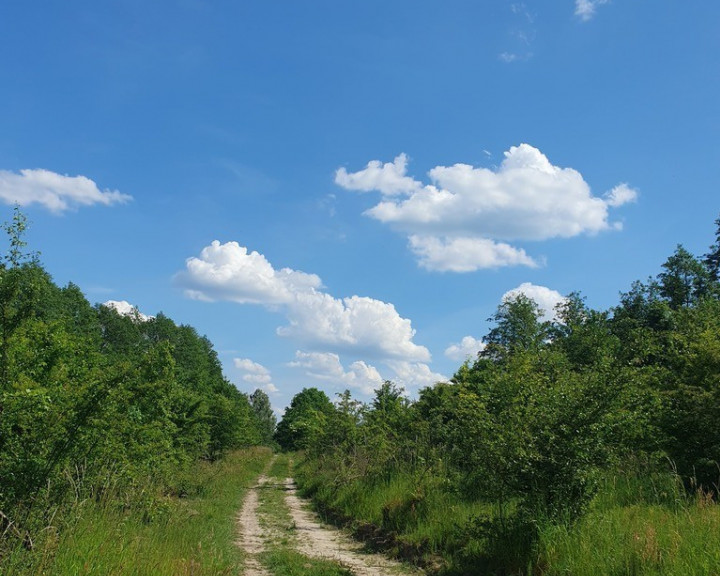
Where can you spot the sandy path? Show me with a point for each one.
(251, 538)
(311, 538)
(320, 541)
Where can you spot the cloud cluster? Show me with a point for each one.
(461, 221)
(468, 347)
(255, 374)
(585, 9)
(413, 375)
(326, 367)
(444, 254)
(124, 308)
(229, 272)
(317, 319)
(56, 192)
(546, 298)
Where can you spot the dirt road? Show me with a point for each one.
(273, 515)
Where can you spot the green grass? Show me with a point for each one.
(283, 561)
(274, 516)
(638, 524)
(193, 535)
(642, 539)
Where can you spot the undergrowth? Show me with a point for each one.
(171, 535)
(637, 524)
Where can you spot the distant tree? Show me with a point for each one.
(684, 280)
(15, 230)
(518, 328)
(583, 335)
(20, 281)
(302, 418)
(712, 258)
(264, 416)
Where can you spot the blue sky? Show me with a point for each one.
(337, 193)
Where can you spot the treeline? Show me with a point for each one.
(94, 404)
(524, 436)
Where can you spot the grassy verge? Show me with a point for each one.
(635, 526)
(192, 535)
(639, 539)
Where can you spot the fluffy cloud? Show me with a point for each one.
(413, 375)
(468, 347)
(326, 367)
(252, 371)
(389, 178)
(544, 297)
(316, 318)
(229, 272)
(621, 194)
(465, 254)
(354, 323)
(457, 221)
(585, 9)
(255, 374)
(56, 192)
(124, 308)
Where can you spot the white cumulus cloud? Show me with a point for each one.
(546, 298)
(229, 272)
(124, 308)
(390, 178)
(442, 254)
(461, 220)
(255, 374)
(56, 192)
(326, 367)
(468, 347)
(413, 375)
(354, 323)
(252, 371)
(585, 9)
(621, 194)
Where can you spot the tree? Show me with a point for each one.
(264, 416)
(518, 328)
(302, 418)
(685, 279)
(17, 290)
(583, 335)
(712, 258)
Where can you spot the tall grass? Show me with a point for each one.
(663, 532)
(640, 523)
(171, 536)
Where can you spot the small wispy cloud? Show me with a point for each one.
(522, 34)
(585, 9)
(510, 57)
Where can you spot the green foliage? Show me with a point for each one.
(685, 280)
(528, 433)
(712, 258)
(191, 531)
(91, 399)
(303, 419)
(265, 420)
(518, 328)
